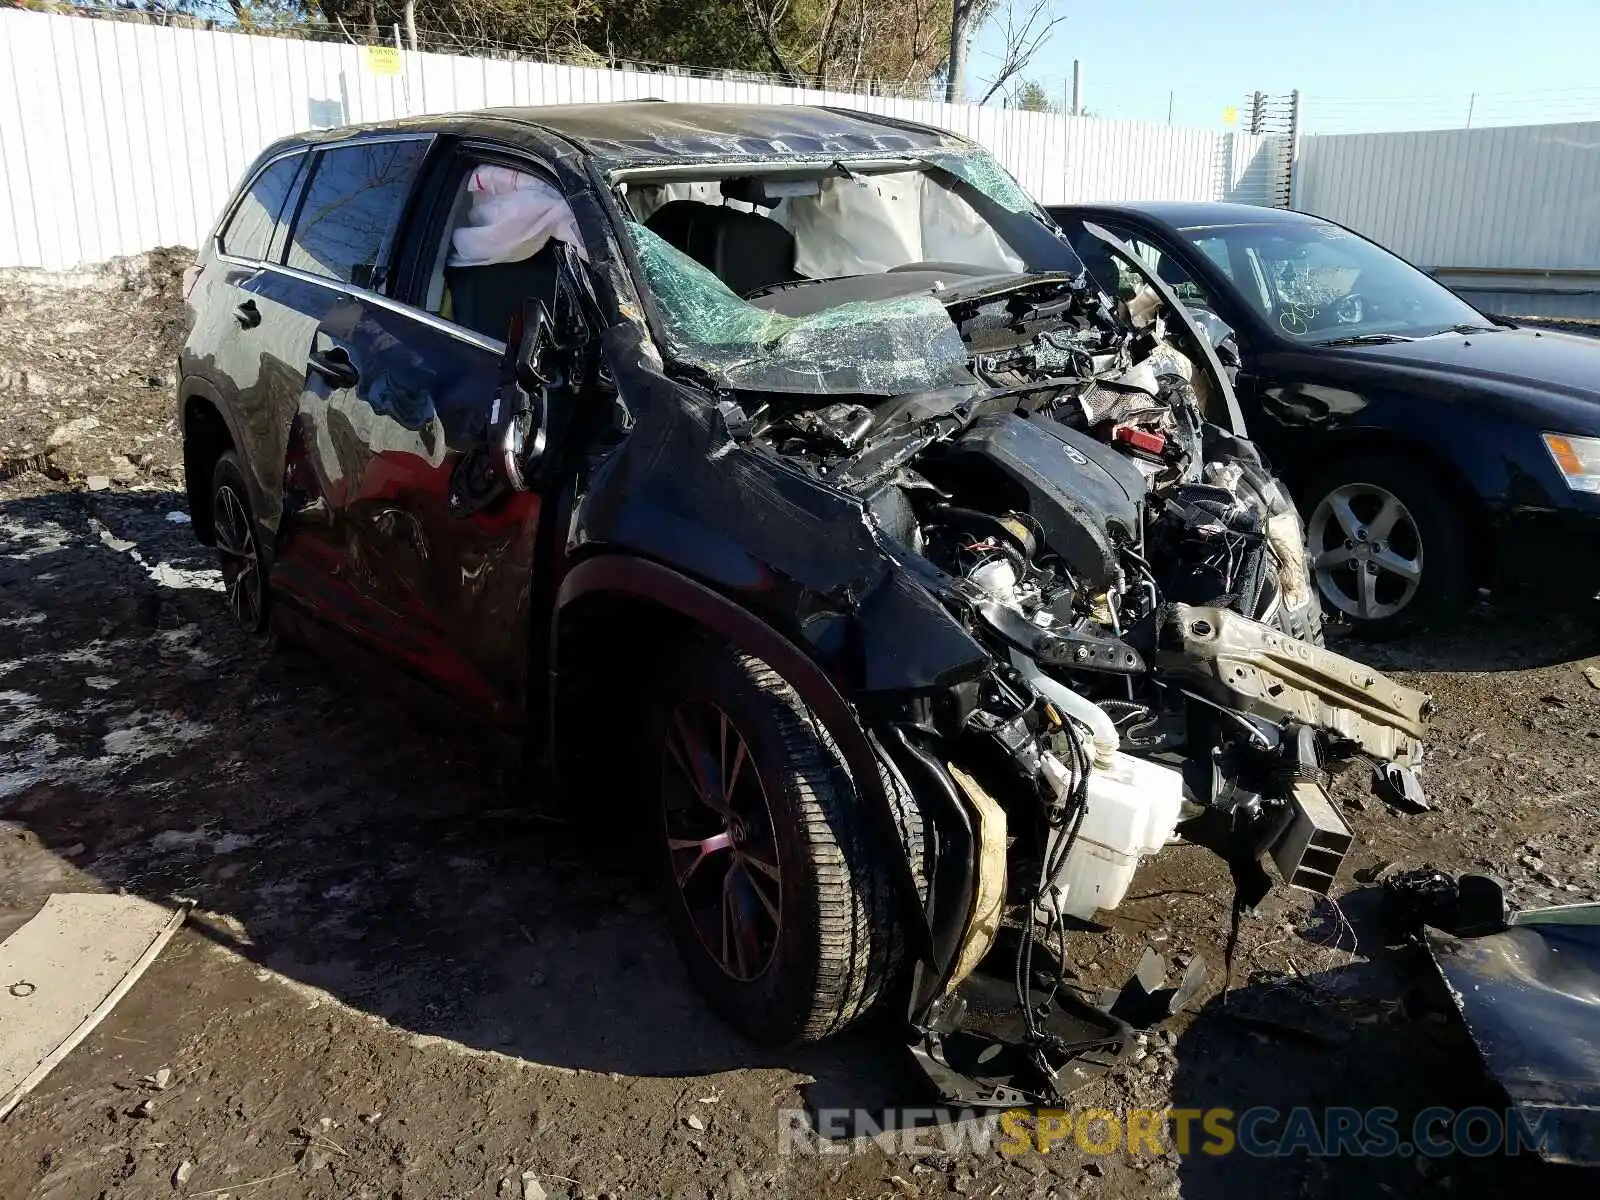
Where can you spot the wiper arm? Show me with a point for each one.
(1369, 339)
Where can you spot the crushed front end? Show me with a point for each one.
(1156, 668)
(1020, 526)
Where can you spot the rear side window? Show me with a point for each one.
(352, 208)
(249, 230)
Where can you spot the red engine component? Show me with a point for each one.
(1139, 439)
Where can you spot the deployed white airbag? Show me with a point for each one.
(511, 215)
(863, 225)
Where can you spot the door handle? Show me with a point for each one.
(247, 314)
(334, 365)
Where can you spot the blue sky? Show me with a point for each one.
(1359, 64)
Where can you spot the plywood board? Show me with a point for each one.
(63, 971)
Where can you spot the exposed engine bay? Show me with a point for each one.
(1139, 578)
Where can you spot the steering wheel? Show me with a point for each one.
(1350, 309)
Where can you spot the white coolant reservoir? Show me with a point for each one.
(1131, 810)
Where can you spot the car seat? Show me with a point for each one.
(485, 298)
(745, 250)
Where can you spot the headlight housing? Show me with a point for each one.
(1577, 458)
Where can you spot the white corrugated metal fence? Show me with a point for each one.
(1524, 196)
(118, 137)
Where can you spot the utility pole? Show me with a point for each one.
(1472, 103)
(1169, 107)
(1077, 87)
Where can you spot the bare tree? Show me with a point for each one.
(767, 18)
(1027, 24)
(962, 13)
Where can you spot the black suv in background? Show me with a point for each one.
(779, 474)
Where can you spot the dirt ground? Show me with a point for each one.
(399, 982)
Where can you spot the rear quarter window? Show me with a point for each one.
(248, 233)
(348, 220)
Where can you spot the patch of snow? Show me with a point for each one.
(202, 838)
(167, 575)
(141, 735)
(23, 543)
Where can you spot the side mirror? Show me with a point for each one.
(514, 439)
(519, 418)
(548, 352)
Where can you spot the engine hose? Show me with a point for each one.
(1106, 739)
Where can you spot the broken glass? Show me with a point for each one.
(881, 347)
(980, 170)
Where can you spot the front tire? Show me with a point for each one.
(781, 900)
(1386, 545)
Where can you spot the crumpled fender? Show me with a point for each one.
(680, 486)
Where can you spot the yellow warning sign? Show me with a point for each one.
(1230, 115)
(383, 60)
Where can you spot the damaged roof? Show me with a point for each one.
(648, 132)
(651, 130)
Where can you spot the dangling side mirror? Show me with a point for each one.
(547, 354)
(521, 409)
(533, 366)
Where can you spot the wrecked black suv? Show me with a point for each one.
(782, 478)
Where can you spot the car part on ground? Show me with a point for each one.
(1527, 985)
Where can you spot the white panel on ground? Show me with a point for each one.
(62, 972)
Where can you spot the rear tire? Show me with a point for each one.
(1387, 546)
(781, 899)
(240, 550)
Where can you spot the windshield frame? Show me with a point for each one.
(1247, 316)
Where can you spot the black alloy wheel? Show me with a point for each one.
(238, 544)
(720, 837)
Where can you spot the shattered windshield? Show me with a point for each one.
(825, 276)
(981, 171)
(881, 347)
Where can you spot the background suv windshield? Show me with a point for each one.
(1318, 283)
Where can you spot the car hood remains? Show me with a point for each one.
(1558, 373)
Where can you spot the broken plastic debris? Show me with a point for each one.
(84, 951)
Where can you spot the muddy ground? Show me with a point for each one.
(400, 980)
